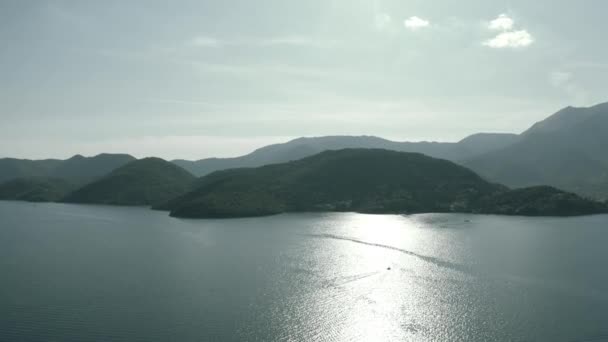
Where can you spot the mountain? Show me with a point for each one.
(77, 170)
(566, 150)
(82, 170)
(11, 168)
(565, 118)
(540, 201)
(142, 182)
(480, 144)
(35, 189)
(362, 180)
(305, 147)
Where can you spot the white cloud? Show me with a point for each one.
(509, 37)
(416, 23)
(383, 21)
(502, 23)
(512, 39)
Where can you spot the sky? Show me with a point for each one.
(196, 79)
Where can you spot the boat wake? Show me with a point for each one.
(433, 260)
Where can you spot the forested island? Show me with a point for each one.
(368, 181)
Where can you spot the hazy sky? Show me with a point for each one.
(192, 79)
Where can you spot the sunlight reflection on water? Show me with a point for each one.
(88, 273)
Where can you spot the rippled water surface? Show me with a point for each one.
(92, 273)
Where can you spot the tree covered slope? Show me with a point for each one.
(142, 182)
(361, 180)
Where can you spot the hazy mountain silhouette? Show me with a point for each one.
(566, 150)
(303, 147)
(12, 168)
(141, 182)
(367, 180)
(77, 170)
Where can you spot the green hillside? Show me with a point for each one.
(361, 180)
(142, 182)
(35, 189)
(540, 201)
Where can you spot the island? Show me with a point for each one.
(367, 181)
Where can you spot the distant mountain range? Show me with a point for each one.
(369, 181)
(468, 148)
(76, 170)
(565, 151)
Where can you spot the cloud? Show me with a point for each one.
(513, 39)
(415, 23)
(502, 23)
(509, 37)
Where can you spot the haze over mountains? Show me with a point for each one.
(565, 151)
(77, 170)
(52, 179)
(465, 149)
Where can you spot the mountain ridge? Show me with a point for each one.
(145, 181)
(76, 169)
(565, 150)
(369, 181)
(306, 146)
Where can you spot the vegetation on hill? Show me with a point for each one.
(362, 180)
(35, 189)
(76, 170)
(540, 201)
(146, 181)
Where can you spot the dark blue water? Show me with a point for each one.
(91, 273)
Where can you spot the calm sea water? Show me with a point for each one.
(94, 273)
